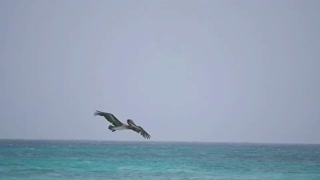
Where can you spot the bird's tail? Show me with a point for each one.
(111, 128)
(97, 113)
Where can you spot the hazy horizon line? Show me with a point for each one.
(159, 141)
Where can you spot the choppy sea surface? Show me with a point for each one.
(66, 160)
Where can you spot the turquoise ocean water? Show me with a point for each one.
(65, 160)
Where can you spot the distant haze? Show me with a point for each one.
(218, 71)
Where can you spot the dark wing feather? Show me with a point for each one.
(144, 133)
(110, 117)
(138, 129)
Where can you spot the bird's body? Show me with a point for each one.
(118, 125)
(119, 128)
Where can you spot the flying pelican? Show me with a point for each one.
(118, 125)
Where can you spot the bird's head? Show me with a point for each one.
(130, 122)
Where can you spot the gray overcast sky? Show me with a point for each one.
(220, 71)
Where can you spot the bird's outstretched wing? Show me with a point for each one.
(143, 132)
(110, 117)
(138, 129)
